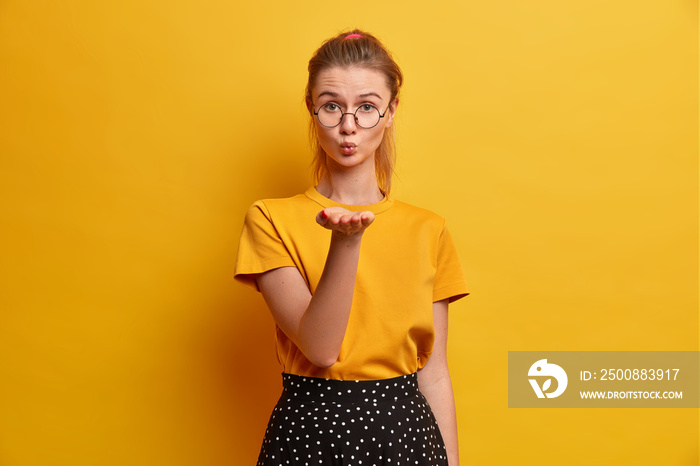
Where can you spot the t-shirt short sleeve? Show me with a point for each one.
(449, 277)
(260, 248)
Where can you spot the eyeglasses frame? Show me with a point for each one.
(354, 114)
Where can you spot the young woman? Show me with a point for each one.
(358, 284)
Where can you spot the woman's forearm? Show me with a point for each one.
(441, 399)
(322, 326)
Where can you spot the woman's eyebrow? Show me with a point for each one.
(328, 93)
(335, 95)
(371, 94)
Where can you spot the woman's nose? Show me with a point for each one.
(348, 125)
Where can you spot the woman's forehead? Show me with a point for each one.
(351, 83)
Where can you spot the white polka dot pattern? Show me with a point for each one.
(352, 423)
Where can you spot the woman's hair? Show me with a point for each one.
(362, 50)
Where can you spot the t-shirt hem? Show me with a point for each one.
(245, 273)
(453, 292)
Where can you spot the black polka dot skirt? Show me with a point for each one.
(359, 423)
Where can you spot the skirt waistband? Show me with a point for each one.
(302, 388)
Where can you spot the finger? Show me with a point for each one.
(322, 218)
(367, 218)
(334, 218)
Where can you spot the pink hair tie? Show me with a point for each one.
(353, 36)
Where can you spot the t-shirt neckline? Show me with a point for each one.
(381, 206)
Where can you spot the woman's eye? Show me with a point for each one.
(367, 107)
(331, 107)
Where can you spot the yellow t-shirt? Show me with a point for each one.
(407, 262)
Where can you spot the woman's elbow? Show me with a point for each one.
(324, 362)
(323, 359)
(319, 351)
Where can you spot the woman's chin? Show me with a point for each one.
(351, 160)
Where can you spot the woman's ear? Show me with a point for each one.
(308, 105)
(392, 112)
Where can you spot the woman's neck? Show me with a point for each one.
(350, 190)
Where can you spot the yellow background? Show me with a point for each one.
(559, 139)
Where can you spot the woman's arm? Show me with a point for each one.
(435, 383)
(317, 323)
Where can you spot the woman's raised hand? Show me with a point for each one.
(343, 222)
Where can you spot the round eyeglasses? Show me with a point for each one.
(366, 115)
